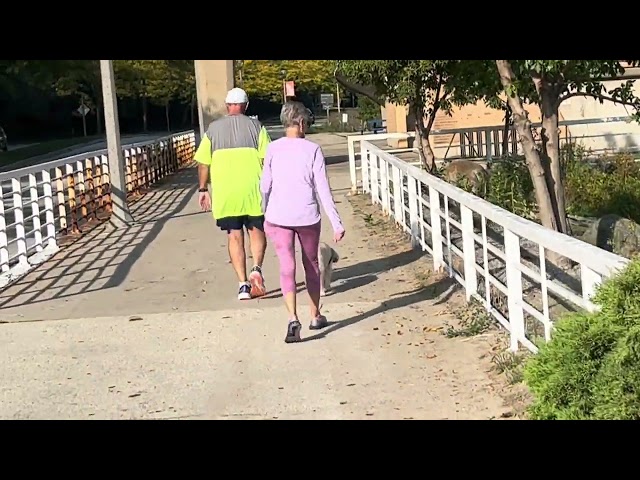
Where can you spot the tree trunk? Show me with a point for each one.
(425, 152)
(531, 154)
(145, 114)
(505, 132)
(185, 115)
(551, 142)
(166, 114)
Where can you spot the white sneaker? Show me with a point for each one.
(244, 292)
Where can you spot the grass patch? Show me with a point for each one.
(473, 319)
(511, 365)
(13, 156)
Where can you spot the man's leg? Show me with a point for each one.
(235, 241)
(258, 245)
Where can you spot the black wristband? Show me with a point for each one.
(203, 190)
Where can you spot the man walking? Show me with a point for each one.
(231, 153)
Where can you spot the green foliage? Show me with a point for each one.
(368, 110)
(427, 85)
(610, 184)
(561, 79)
(591, 368)
(159, 80)
(263, 78)
(511, 188)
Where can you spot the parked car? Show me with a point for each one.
(3, 140)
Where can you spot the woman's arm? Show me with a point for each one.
(266, 180)
(321, 182)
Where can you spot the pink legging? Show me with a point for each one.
(283, 239)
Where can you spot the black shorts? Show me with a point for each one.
(237, 223)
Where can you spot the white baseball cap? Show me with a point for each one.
(236, 95)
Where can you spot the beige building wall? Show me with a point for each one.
(598, 137)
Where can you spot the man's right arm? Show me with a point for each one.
(203, 157)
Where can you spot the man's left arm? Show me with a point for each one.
(203, 157)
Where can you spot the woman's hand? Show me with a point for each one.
(337, 236)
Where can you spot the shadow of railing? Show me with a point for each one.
(102, 258)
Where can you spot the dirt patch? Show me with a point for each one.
(452, 325)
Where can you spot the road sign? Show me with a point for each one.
(290, 88)
(83, 110)
(326, 99)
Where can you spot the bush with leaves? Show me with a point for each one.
(511, 188)
(610, 184)
(591, 367)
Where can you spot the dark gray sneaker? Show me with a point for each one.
(318, 323)
(293, 332)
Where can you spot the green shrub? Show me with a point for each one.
(510, 186)
(611, 185)
(591, 367)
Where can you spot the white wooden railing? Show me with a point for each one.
(49, 202)
(465, 234)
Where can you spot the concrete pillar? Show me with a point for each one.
(214, 78)
(396, 123)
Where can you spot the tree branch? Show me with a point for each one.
(436, 105)
(601, 97)
(366, 90)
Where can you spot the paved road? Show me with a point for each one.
(144, 323)
(78, 149)
(18, 146)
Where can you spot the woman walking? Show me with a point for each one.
(294, 179)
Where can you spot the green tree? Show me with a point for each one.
(131, 82)
(425, 86)
(80, 78)
(163, 84)
(263, 78)
(548, 83)
(367, 110)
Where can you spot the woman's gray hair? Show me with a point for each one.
(294, 114)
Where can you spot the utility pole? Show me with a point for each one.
(120, 214)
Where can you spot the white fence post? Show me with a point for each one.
(4, 251)
(35, 212)
(364, 167)
(590, 281)
(50, 218)
(384, 185)
(21, 241)
(514, 288)
(398, 197)
(412, 185)
(375, 186)
(436, 229)
(469, 252)
(352, 165)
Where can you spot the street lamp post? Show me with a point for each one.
(283, 74)
(120, 214)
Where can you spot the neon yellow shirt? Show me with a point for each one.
(234, 148)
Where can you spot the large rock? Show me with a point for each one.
(467, 171)
(614, 234)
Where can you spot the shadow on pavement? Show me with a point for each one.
(404, 299)
(102, 258)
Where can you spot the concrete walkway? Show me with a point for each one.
(144, 323)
